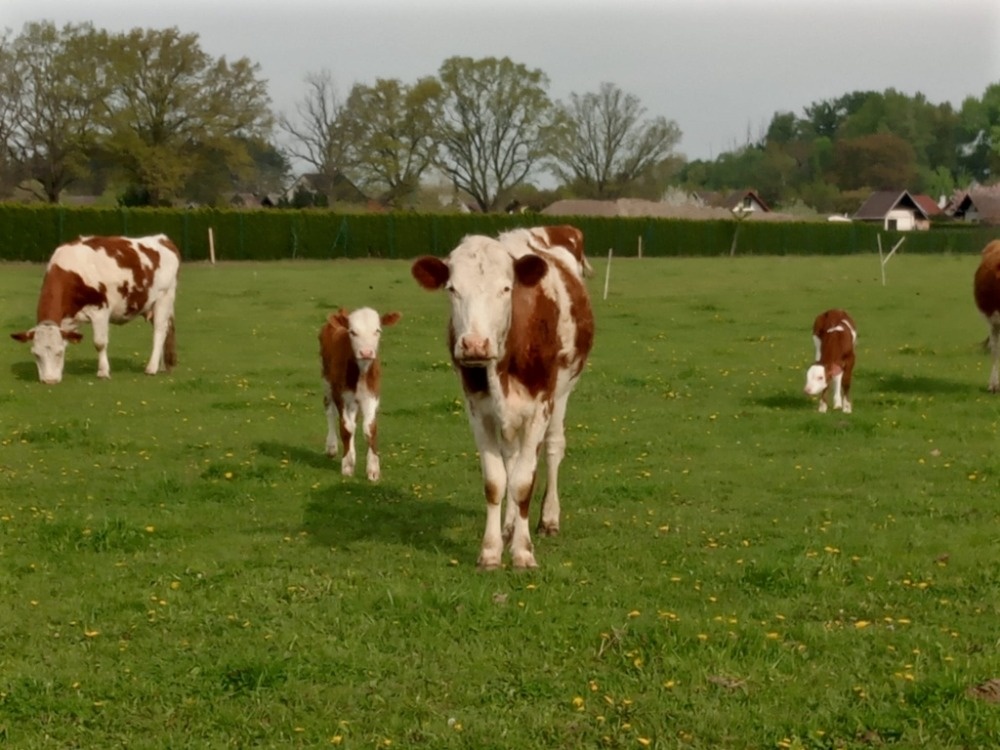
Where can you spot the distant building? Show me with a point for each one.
(895, 211)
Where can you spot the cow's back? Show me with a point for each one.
(986, 284)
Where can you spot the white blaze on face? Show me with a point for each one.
(365, 329)
(479, 285)
(49, 348)
(815, 380)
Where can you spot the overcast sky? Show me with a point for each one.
(719, 68)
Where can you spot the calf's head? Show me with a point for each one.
(480, 277)
(364, 327)
(817, 378)
(48, 345)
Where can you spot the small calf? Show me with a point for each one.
(834, 334)
(348, 348)
(986, 290)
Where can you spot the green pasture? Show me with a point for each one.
(182, 567)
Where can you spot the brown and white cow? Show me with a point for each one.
(520, 331)
(564, 240)
(986, 290)
(352, 376)
(834, 334)
(105, 280)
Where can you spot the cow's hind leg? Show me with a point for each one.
(101, 324)
(994, 384)
(163, 323)
(555, 451)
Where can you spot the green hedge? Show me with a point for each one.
(30, 233)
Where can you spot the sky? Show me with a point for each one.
(720, 69)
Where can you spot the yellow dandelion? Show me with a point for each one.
(578, 702)
(644, 741)
(91, 633)
(336, 739)
(861, 624)
(634, 613)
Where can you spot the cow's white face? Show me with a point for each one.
(480, 285)
(48, 345)
(815, 380)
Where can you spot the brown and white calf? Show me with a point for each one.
(564, 240)
(834, 334)
(105, 280)
(352, 381)
(520, 331)
(986, 290)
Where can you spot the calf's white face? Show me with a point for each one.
(365, 328)
(815, 380)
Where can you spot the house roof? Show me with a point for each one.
(985, 201)
(655, 209)
(881, 202)
(730, 200)
(928, 204)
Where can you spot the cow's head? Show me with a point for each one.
(817, 380)
(480, 276)
(364, 326)
(48, 344)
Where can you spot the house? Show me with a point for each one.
(319, 188)
(978, 206)
(895, 211)
(736, 201)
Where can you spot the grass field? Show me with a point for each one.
(182, 567)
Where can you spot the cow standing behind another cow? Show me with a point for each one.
(834, 334)
(105, 280)
(986, 290)
(352, 378)
(520, 331)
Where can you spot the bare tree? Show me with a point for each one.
(317, 133)
(604, 145)
(494, 125)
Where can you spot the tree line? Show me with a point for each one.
(152, 117)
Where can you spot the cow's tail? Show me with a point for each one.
(170, 347)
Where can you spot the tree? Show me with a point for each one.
(390, 131)
(603, 144)
(318, 135)
(495, 118)
(52, 93)
(979, 134)
(175, 110)
(882, 161)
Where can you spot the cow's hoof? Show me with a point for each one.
(548, 529)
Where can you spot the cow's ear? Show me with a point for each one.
(74, 337)
(340, 318)
(529, 269)
(390, 319)
(23, 336)
(430, 272)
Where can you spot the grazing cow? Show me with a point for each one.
(520, 331)
(563, 240)
(352, 374)
(834, 334)
(986, 289)
(105, 280)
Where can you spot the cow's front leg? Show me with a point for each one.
(348, 420)
(520, 485)
(332, 420)
(100, 324)
(494, 486)
(994, 384)
(838, 400)
(369, 411)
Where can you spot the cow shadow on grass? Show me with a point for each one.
(342, 511)
(26, 370)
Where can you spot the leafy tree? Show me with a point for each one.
(495, 119)
(52, 92)
(979, 134)
(175, 110)
(390, 131)
(603, 145)
(882, 161)
(318, 136)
